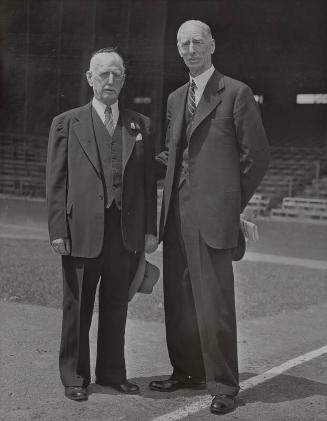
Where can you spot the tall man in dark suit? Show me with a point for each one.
(217, 154)
(101, 195)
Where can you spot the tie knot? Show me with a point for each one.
(108, 110)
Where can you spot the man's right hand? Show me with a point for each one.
(61, 246)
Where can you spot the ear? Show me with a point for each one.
(89, 77)
(213, 46)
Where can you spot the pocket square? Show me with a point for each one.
(139, 137)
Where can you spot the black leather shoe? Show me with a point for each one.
(76, 393)
(221, 404)
(126, 387)
(171, 385)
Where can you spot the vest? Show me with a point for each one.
(110, 152)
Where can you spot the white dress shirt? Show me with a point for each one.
(100, 108)
(201, 82)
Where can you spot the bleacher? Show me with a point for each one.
(22, 165)
(289, 171)
(293, 187)
(317, 188)
(258, 205)
(301, 208)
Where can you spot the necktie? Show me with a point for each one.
(109, 120)
(191, 99)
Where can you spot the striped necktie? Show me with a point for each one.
(109, 120)
(191, 99)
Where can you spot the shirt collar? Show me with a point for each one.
(100, 108)
(202, 79)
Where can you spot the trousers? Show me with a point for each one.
(112, 268)
(199, 301)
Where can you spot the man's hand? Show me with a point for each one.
(61, 246)
(151, 243)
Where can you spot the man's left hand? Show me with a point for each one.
(151, 243)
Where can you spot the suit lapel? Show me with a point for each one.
(83, 127)
(179, 120)
(127, 138)
(209, 100)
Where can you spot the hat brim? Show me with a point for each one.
(146, 276)
(239, 251)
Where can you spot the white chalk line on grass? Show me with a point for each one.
(251, 256)
(37, 233)
(23, 232)
(204, 402)
(23, 228)
(285, 260)
(24, 237)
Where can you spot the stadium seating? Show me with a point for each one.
(318, 188)
(289, 171)
(293, 172)
(291, 168)
(22, 165)
(258, 205)
(301, 208)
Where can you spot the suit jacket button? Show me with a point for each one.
(101, 197)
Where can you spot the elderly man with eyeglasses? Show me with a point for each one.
(101, 196)
(216, 155)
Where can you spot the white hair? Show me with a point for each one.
(205, 28)
(106, 51)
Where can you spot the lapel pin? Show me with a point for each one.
(135, 126)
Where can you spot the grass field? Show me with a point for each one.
(296, 239)
(261, 288)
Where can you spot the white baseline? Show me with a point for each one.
(204, 402)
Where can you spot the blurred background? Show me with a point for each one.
(277, 47)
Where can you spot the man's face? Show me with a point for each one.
(195, 47)
(106, 76)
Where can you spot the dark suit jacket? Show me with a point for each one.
(75, 190)
(228, 156)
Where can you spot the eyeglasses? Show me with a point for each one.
(116, 75)
(185, 46)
